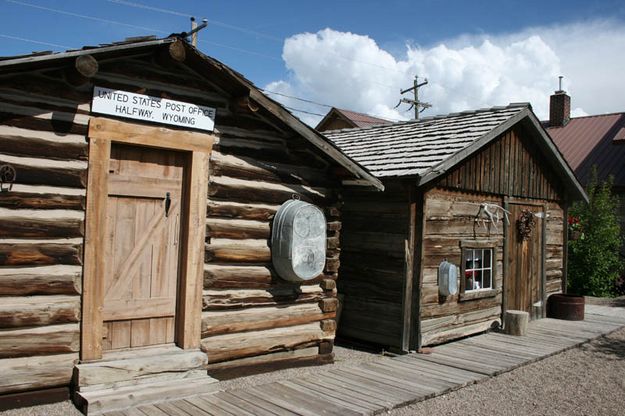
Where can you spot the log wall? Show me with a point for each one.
(256, 165)
(42, 135)
(449, 219)
(375, 231)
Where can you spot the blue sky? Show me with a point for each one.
(395, 39)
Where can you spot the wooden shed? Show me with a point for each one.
(486, 191)
(139, 183)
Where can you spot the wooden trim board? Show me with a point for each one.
(102, 133)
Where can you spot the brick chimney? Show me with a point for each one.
(559, 109)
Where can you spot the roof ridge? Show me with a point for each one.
(436, 117)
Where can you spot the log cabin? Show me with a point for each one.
(139, 184)
(472, 222)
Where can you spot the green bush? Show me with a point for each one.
(594, 263)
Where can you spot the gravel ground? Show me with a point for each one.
(589, 380)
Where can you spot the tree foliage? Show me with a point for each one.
(594, 263)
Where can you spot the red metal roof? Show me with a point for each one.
(361, 119)
(594, 140)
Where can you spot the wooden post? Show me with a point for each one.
(409, 245)
(515, 322)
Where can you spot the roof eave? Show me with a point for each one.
(11, 64)
(316, 138)
(575, 187)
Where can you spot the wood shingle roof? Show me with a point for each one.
(413, 148)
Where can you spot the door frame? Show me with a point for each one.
(543, 251)
(102, 133)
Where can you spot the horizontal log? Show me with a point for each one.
(47, 172)
(459, 332)
(243, 167)
(232, 299)
(54, 121)
(246, 344)
(16, 199)
(218, 276)
(242, 367)
(24, 142)
(13, 91)
(33, 254)
(236, 253)
(38, 310)
(44, 280)
(254, 319)
(32, 373)
(256, 136)
(553, 286)
(41, 224)
(280, 295)
(465, 227)
(256, 212)
(431, 326)
(237, 229)
(226, 188)
(251, 148)
(44, 340)
(450, 308)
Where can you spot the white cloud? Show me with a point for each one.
(351, 71)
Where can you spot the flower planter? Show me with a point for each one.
(566, 306)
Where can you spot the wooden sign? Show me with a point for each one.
(155, 109)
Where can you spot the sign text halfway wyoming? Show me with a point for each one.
(154, 109)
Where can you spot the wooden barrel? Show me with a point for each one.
(566, 306)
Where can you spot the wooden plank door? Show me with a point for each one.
(523, 275)
(142, 246)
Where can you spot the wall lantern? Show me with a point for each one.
(298, 241)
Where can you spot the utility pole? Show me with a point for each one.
(193, 27)
(418, 106)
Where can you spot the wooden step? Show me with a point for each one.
(139, 366)
(119, 398)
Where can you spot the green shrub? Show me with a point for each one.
(594, 264)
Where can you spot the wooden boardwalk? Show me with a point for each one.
(375, 387)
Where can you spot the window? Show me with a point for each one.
(478, 269)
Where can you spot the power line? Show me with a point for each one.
(83, 16)
(319, 104)
(211, 21)
(304, 111)
(296, 98)
(35, 41)
(144, 28)
(242, 30)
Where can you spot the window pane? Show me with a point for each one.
(487, 257)
(486, 279)
(469, 276)
(468, 259)
(477, 259)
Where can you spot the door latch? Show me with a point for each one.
(167, 203)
